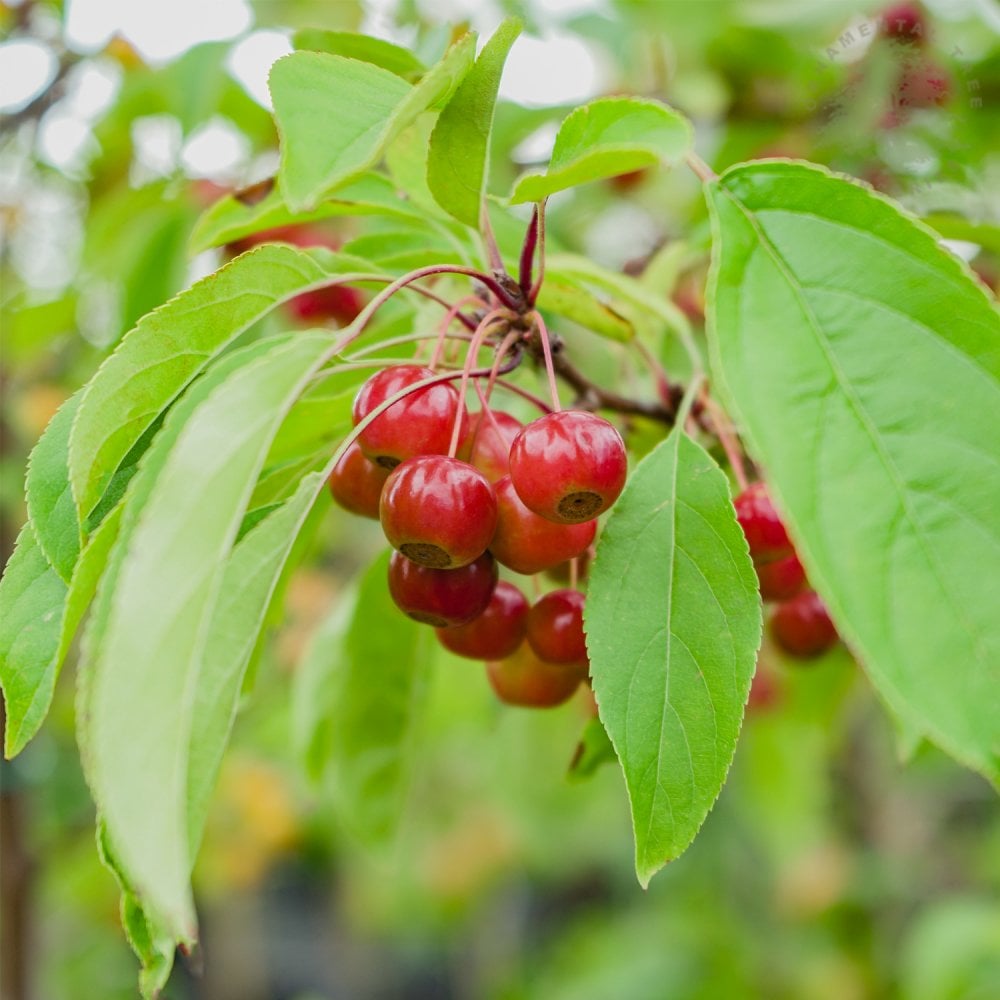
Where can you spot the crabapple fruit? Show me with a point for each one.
(766, 534)
(528, 543)
(356, 483)
(417, 424)
(438, 511)
(496, 633)
(442, 597)
(524, 679)
(568, 466)
(555, 627)
(802, 626)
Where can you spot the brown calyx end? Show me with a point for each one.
(387, 462)
(577, 507)
(426, 555)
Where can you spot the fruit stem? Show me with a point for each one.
(381, 279)
(550, 373)
(512, 338)
(395, 398)
(491, 318)
(409, 338)
(724, 432)
(484, 397)
(574, 572)
(524, 394)
(449, 318)
(363, 318)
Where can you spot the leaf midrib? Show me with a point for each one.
(864, 420)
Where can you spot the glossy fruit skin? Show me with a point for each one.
(802, 626)
(496, 633)
(356, 483)
(442, 597)
(438, 511)
(487, 442)
(418, 424)
(527, 543)
(525, 680)
(555, 627)
(569, 466)
(781, 579)
(766, 534)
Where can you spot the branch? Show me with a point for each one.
(591, 396)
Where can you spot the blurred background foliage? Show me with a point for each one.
(828, 869)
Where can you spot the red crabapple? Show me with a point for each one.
(781, 579)
(802, 626)
(438, 511)
(766, 534)
(569, 466)
(417, 424)
(555, 627)
(442, 597)
(524, 679)
(527, 543)
(496, 633)
(356, 483)
(487, 443)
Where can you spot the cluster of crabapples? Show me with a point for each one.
(458, 495)
(799, 622)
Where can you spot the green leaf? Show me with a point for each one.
(594, 750)
(337, 115)
(41, 616)
(394, 58)
(357, 701)
(49, 497)
(609, 136)
(32, 602)
(406, 164)
(170, 346)
(321, 418)
(139, 491)
(151, 942)
(458, 161)
(673, 626)
(277, 484)
(146, 649)
(236, 216)
(863, 363)
(640, 310)
(250, 578)
(572, 300)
